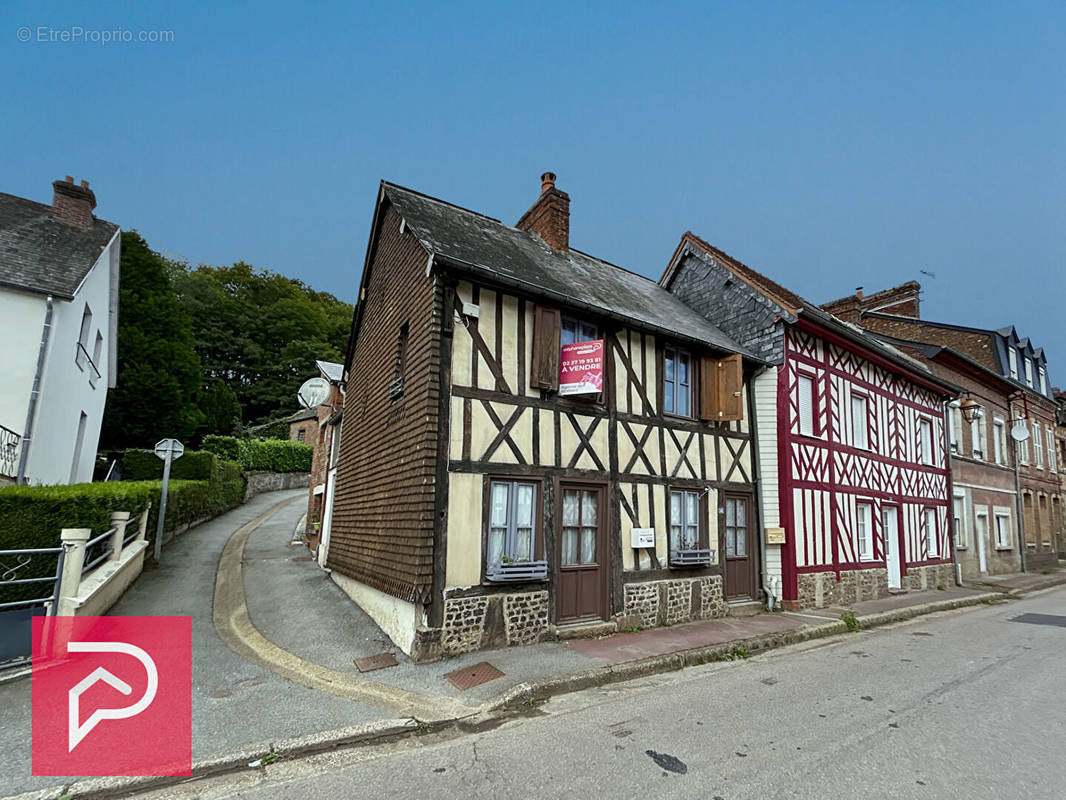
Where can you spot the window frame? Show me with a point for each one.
(396, 387)
(954, 426)
(926, 447)
(999, 441)
(977, 439)
(534, 569)
(578, 324)
(599, 334)
(1052, 455)
(962, 539)
(802, 375)
(1029, 372)
(691, 393)
(700, 555)
(1038, 444)
(998, 514)
(865, 445)
(1012, 359)
(869, 554)
(932, 543)
(1042, 373)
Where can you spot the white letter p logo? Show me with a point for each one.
(75, 731)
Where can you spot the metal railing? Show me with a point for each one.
(25, 560)
(104, 549)
(82, 358)
(9, 448)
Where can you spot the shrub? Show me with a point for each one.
(268, 455)
(33, 516)
(145, 465)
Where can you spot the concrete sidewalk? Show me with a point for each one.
(275, 641)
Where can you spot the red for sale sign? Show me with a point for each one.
(581, 368)
(112, 696)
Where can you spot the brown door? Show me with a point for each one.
(582, 588)
(739, 555)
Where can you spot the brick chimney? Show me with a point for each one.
(549, 217)
(72, 203)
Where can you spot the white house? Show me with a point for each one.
(59, 279)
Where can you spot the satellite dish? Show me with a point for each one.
(1019, 432)
(314, 392)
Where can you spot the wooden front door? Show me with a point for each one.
(739, 547)
(582, 556)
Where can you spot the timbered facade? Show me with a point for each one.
(627, 503)
(854, 485)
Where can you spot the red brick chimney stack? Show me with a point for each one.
(858, 293)
(72, 203)
(549, 217)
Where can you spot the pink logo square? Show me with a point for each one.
(112, 696)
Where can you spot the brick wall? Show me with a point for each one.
(731, 304)
(382, 531)
(902, 300)
(976, 345)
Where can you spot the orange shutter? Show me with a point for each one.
(708, 381)
(730, 388)
(544, 371)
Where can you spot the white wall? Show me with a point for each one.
(765, 395)
(21, 323)
(66, 391)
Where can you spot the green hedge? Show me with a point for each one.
(145, 465)
(33, 516)
(269, 455)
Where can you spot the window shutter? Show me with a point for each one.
(708, 373)
(544, 371)
(729, 389)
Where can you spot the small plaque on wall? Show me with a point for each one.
(643, 537)
(775, 535)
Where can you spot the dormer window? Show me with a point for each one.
(1029, 372)
(1013, 358)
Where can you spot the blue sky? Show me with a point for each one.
(829, 145)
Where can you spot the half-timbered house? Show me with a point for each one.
(536, 440)
(854, 481)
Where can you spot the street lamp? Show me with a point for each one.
(971, 411)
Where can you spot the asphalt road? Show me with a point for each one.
(966, 704)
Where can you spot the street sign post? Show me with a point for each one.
(168, 450)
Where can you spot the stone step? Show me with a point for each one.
(744, 608)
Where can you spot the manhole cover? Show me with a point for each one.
(371, 663)
(1041, 619)
(303, 558)
(476, 675)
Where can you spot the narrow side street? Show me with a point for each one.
(952, 701)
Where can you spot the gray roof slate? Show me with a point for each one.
(518, 257)
(41, 254)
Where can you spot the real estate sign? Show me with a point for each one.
(581, 368)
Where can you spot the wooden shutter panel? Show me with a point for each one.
(708, 382)
(544, 371)
(730, 373)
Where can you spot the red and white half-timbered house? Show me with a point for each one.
(854, 487)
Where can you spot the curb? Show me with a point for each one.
(230, 761)
(1048, 583)
(237, 760)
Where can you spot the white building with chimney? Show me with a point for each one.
(59, 280)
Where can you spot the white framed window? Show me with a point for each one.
(687, 547)
(1029, 372)
(677, 382)
(1038, 445)
(860, 421)
(1043, 381)
(958, 517)
(977, 437)
(1004, 534)
(1052, 460)
(864, 515)
(805, 389)
(999, 440)
(981, 523)
(1023, 447)
(925, 441)
(932, 536)
(1012, 356)
(512, 526)
(953, 419)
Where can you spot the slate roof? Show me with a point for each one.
(334, 372)
(521, 259)
(304, 413)
(793, 304)
(39, 253)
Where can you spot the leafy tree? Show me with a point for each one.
(159, 372)
(258, 333)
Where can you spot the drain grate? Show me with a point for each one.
(380, 661)
(483, 672)
(1041, 619)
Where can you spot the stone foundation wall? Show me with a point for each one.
(823, 590)
(672, 601)
(474, 623)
